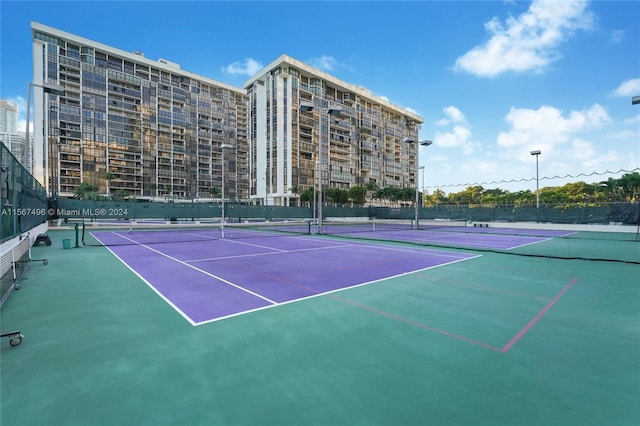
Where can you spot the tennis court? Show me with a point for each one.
(324, 329)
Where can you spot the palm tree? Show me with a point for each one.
(372, 187)
(109, 177)
(295, 190)
(214, 191)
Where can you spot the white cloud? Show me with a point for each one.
(454, 115)
(547, 127)
(527, 42)
(616, 36)
(629, 87)
(21, 103)
(247, 67)
(458, 137)
(632, 120)
(326, 63)
(623, 135)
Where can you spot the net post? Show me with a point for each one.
(29, 247)
(76, 229)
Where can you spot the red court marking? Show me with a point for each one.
(504, 349)
(535, 319)
(418, 324)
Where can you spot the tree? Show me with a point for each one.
(109, 177)
(358, 195)
(630, 184)
(214, 191)
(307, 195)
(437, 197)
(372, 187)
(295, 190)
(470, 195)
(86, 191)
(337, 195)
(120, 195)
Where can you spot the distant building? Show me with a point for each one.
(10, 135)
(8, 117)
(149, 129)
(15, 143)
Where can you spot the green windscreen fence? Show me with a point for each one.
(604, 213)
(22, 199)
(23, 204)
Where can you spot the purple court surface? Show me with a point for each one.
(209, 278)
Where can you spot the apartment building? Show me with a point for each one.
(362, 143)
(10, 136)
(133, 126)
(8, 117)
(148, 129)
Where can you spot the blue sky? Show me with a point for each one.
(492, 80)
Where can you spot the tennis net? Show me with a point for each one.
(146, 233)
(380, 225)
(585, 242)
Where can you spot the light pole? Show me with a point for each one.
(222, 147)
(423, 143)
(315, 171)
(54, 89)
(331, 110)
(422, 187)
(537, 153)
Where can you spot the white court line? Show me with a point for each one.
(436, 253)
(268, 254)
(374, 246)
(333, 291)
(531, 243)
(202, 271)
(254, 245)
(273, 303)
(155, 290)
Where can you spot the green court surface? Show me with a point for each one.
(494, 340)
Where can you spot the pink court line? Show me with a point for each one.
(504, 349)
(535, 319)
(418, 324)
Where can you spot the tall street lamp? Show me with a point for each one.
(330, 111)
(315, 171)
(537, 154)
(422, 143)
(54, 89)
(422, 187)
(222, 147)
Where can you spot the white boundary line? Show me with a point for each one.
(267, 254)
(531, 243)
(155, 290)
(273, 303)
(333, 291)
(202, 271)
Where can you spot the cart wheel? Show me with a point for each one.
(15, 341)
(17, 287)
(46, 262)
